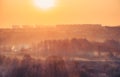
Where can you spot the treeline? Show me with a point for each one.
(55, 66)
(75, 46)
(67, 47)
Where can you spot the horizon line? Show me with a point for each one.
(42, 26)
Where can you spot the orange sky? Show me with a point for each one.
(106, 12)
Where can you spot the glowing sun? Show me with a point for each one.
(44, 4)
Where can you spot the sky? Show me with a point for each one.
(24, 12)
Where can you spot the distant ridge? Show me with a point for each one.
(93, 32)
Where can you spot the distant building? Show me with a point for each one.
(16, 26)
(28, 26)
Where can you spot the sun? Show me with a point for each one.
(44, 4)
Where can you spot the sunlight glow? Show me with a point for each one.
(44, 4)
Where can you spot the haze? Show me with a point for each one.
(24, 12)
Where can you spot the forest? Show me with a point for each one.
(55, 66)
(74, 51)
